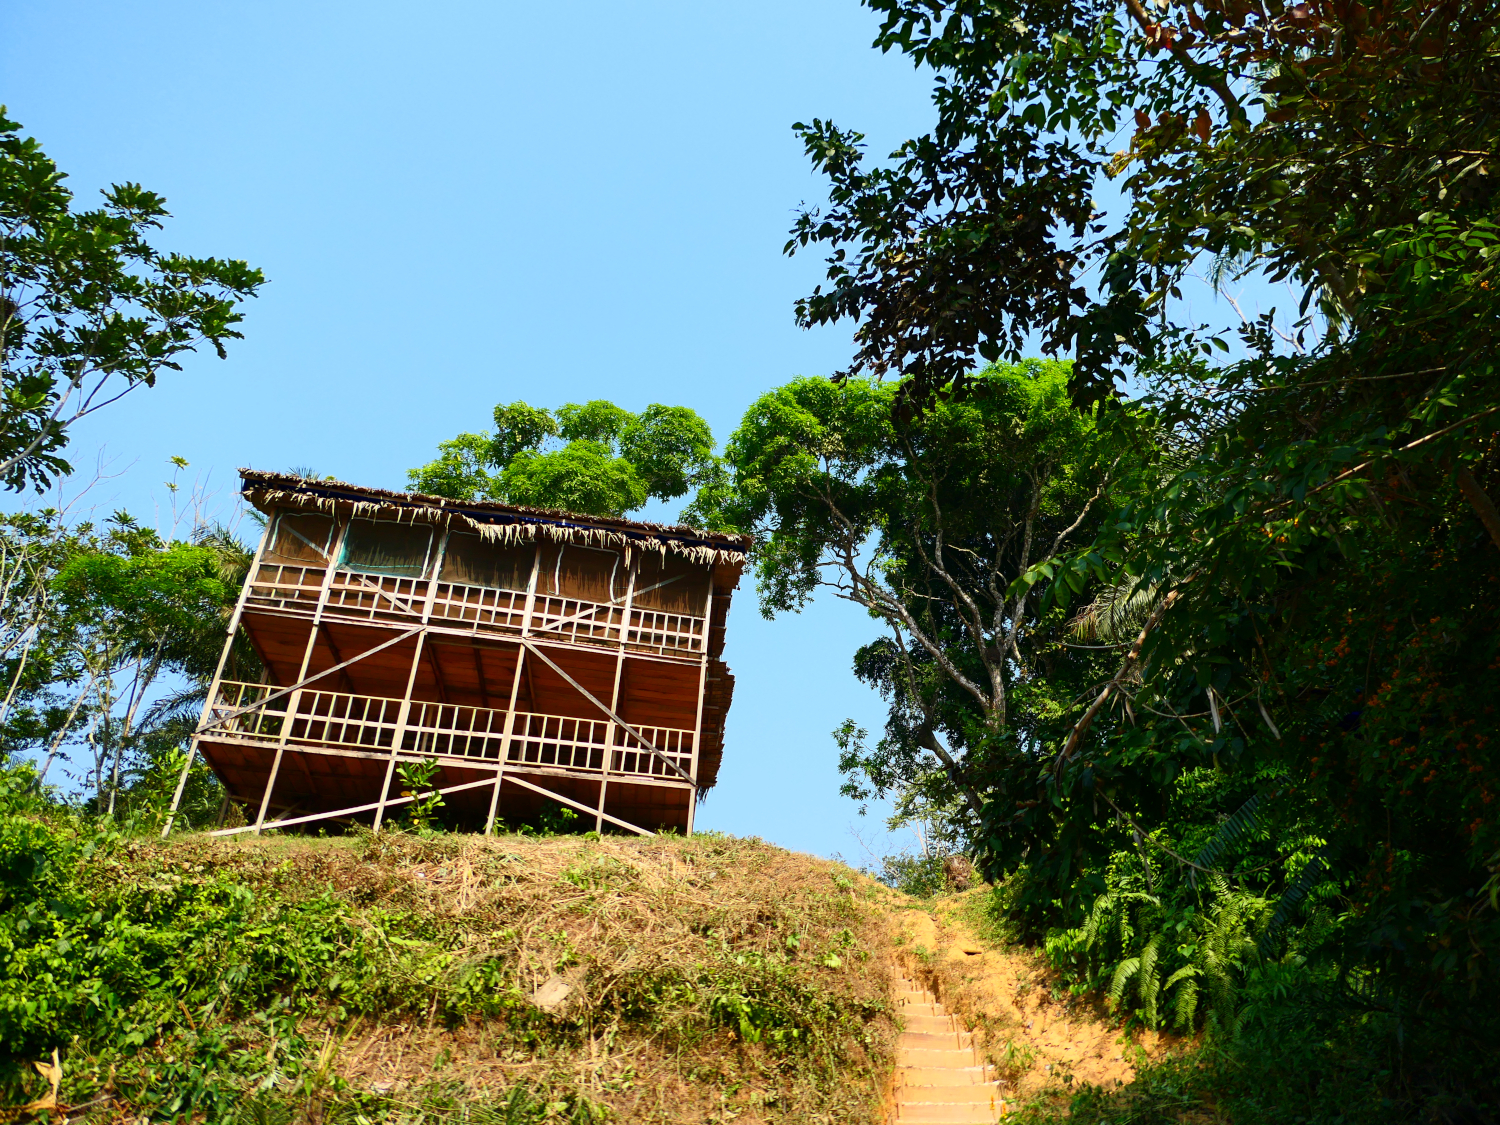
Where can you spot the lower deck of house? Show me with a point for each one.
(315, 781)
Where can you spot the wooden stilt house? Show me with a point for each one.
(531, 654)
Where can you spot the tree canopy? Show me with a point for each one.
(89, 309)
(928, 520)
(595, 457)
(1281, 781)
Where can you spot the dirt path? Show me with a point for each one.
(940, 1077)
(1033, 1034)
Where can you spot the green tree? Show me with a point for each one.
(89, 309)
(593, 457)
(111, 636)
(926, 522)
(1306, 604)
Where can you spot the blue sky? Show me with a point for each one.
(463, 204)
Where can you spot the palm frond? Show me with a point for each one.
(1230, 832)
(1116, 612)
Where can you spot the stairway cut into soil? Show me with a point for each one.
(940, 1078)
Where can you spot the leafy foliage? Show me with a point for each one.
(602, 460)
(1301, 598)
(89, 309)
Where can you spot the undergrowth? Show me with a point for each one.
(423, 977)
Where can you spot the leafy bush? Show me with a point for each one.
(211, 979)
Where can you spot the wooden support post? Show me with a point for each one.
(580, 806)
(614, 700)
(708, 628)
(213, 687)
(296, 695)
(515, 689)
(640, 738)
(400, 732)
(339, 813)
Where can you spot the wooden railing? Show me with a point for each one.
(364, 722)
(478, 609)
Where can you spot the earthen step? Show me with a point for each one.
(922, 1076)
(940, 1079)
(948, 1114)
(935, 1024)
(987, 1094)
(932, 1040)
(905, 1056)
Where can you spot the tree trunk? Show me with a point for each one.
(1479, 500)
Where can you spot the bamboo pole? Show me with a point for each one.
(614, 698)
(708, 628)
(515, 690)
(400, 732)
(213, 686)
(296, 693)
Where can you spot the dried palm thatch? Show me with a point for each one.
(500, 523)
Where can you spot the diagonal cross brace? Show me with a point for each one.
(592, 698)
(256, 706)
(560, 799)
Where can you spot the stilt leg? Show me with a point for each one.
(181, 785)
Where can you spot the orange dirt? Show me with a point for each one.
(1037, 1036)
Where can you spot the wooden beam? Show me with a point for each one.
(400, 732)
(356, 809)
(515, 687)
(614, 698)
(296, 691)
(579, 805)
(708, 624)
(213, 687)
(592, 698)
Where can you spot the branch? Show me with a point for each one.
(1080, 728)
(1190, 64)
(1480, 501)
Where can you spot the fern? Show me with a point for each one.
(1221, 945)
(1147, 981)
(1123, 972)
(1229, 833)
(1292, 897)
(1185, 1007)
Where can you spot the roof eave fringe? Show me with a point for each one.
(522, 531)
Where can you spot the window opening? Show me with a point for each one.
(301, 537)
(385, 547)
(472, 560)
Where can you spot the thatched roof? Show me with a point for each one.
(503, 523)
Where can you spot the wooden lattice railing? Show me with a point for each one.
(372, 723)
(478, 609)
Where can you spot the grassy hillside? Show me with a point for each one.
(408, 978)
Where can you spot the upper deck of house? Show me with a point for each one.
(490, 569)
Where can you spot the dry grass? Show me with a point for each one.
(670, 980)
